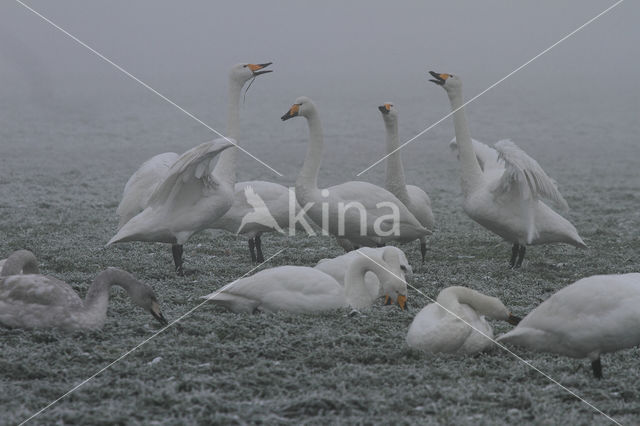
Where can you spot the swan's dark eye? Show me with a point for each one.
(244, 66)
(404, 268)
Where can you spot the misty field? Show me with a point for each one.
(59, 188)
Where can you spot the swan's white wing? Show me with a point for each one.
(526, 174)
(141, 185)
(488, 158)
(193, 168)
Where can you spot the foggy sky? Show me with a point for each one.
(362, 45)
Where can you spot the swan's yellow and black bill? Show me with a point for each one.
(157, 314)
(438, 78)
(293, 112)
(402, 301)
(513, 320)
(385, 108)
(257, 69)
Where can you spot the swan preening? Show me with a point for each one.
(20, 262)
(508, 203)
(394, 258)
(189, 199)
(301, 289)
(143, 183)
(462, 326)
(363, 213)
(416, 200)
(40, 301)
(591, 317)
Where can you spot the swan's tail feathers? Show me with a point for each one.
(525, 173)
(524, 336)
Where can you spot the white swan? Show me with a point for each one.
(591, 317)
(488, 158)
(40, 301)
(302, 289)
(435, 329)
(416, 200)
(394, 259)
(363, 213)
(188, 200)
(509, 203)
(20, 262)
(144, 181)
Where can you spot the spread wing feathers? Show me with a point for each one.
(488, 158)
(192, 166)
(525, 174)
(141, 185)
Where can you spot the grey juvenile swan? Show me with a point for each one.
(41, 301)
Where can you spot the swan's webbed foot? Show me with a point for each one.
(596, 366)
(259, 255)
(252, 250)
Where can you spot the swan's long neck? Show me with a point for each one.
(354, 285)
(226, 166)
(308, 177)
(21, 261)
(395, 181)
(452, 297)
(97, 298)
(471, 173)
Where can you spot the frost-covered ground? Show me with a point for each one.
(62, 169)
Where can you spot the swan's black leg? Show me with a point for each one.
(176, 250)
(423, 250)
(252, 250)
(514, 255)
(597, 368)
(521, 252)
(259, 255)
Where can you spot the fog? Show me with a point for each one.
(381, 46)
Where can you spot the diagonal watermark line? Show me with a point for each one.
(124, 355)
(519, 358)
(142, 83)
(492, 86)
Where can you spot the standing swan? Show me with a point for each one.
(301, 289)
(508, 203)
(188, 200)
(436, 330)
(363, 213)
(40, 301)
(144, 181)
(593, 316)
(416, 200)
(20, 262)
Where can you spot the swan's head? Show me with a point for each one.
(144, 296)
(243, 72)
(448, 81)
(303, 106)
(493, 307)
(389, 112)
(395, 290)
